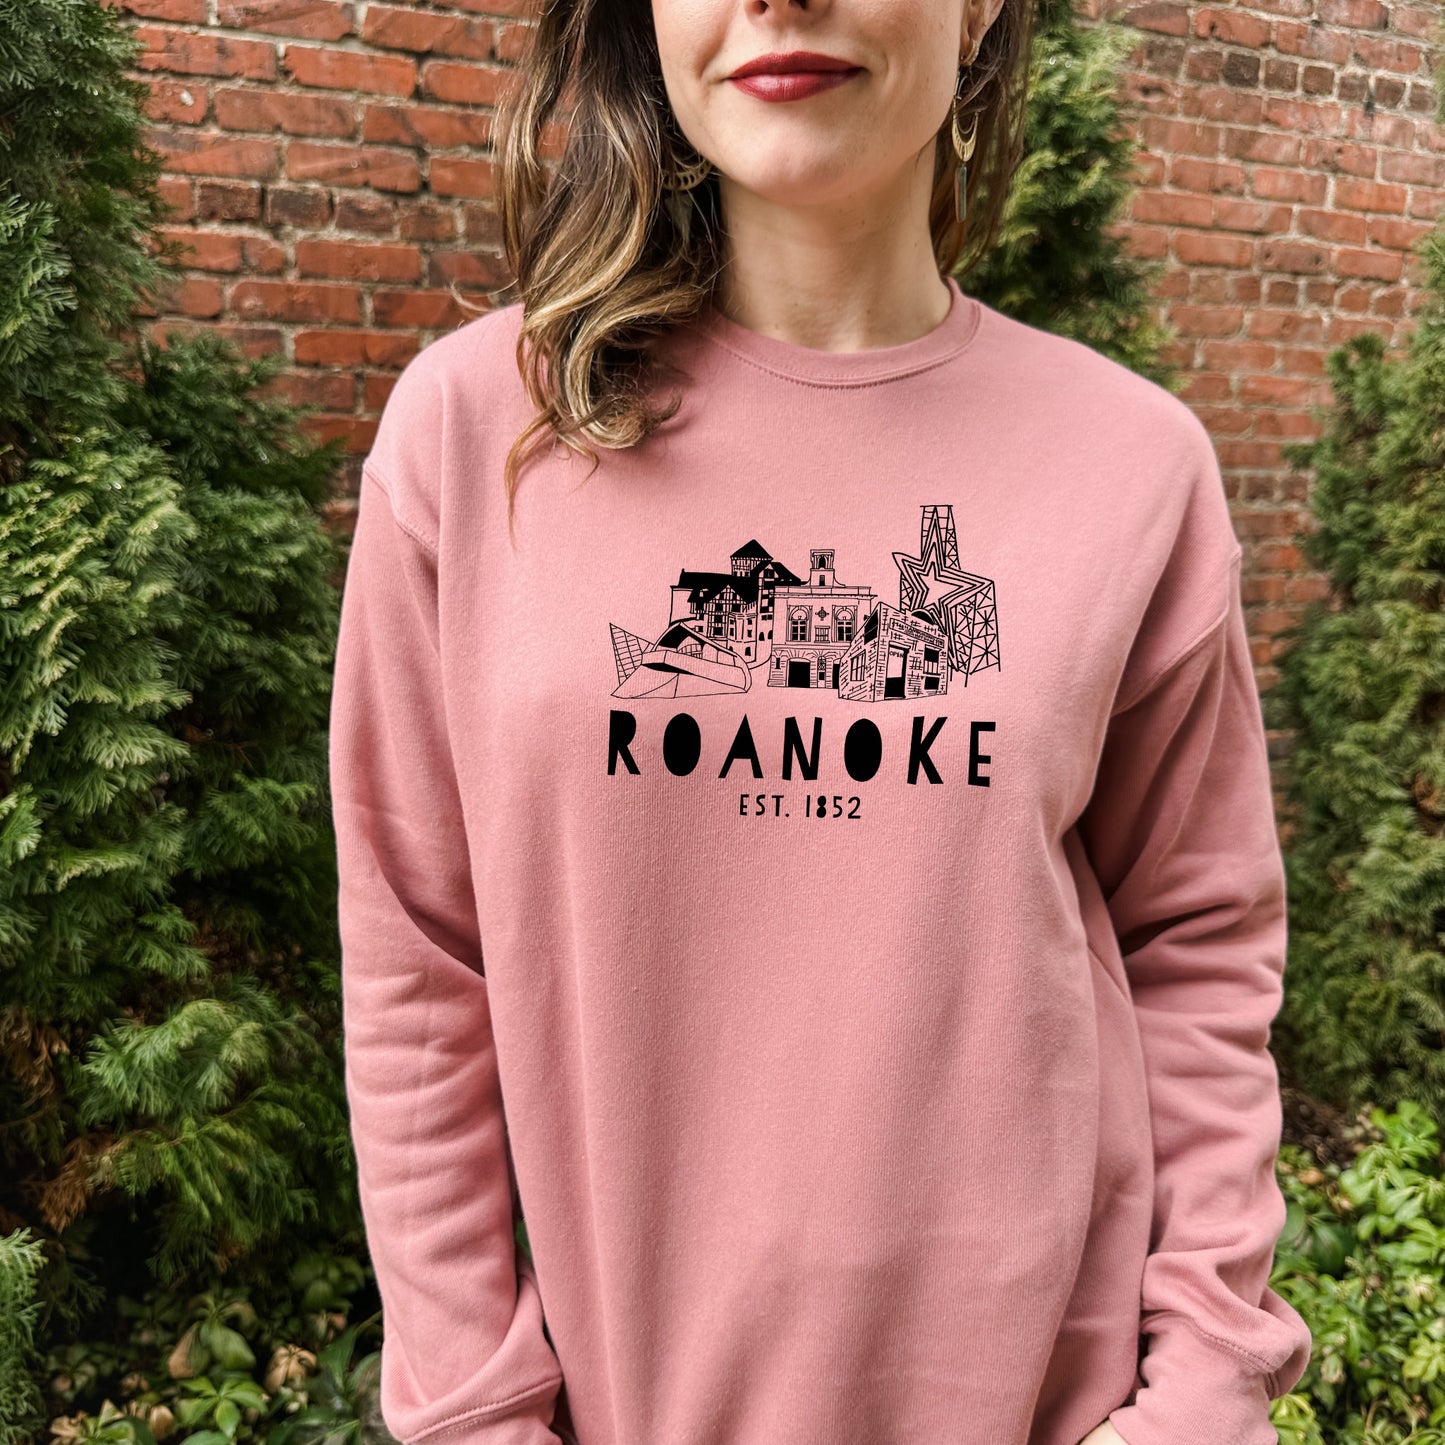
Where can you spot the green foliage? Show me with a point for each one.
(1362, 1258)
(1363, 690)
(171, 1091)
(274, 1362)
(21, 1261)
(78, 209)
(1061, 263)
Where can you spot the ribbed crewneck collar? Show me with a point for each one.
(848, 368)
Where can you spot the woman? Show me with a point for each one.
(817, 862)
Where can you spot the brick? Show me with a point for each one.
(358, 434)
(1300, 115)
(341, 165)
(1313, 588)
(194, 296)
(202, 154)
(354, 261)
(1227, 107)
(1332, 225)
(207, 250)
(1237, 356)
(303, 19)
(1327, 153)
(176, 101)
(1164, 16)
(356, 348)
(370, 214)
(1352, 88)
(1357, 195)
(1225, 421)
(1397, 235)
(1299, 361)
(1386, 92)
(1182, 137)
(228, 201)
(1276, 390)
(482, 225)
(177, 12)
(423, 126)
(1427, 204)
(1241, 69)
(186, 52)
(1312, 42)
(463, 84)
(1204, 66)
(253, 341)
(1233, 27)
(299, 206)
(178, 196)
(1297, 256)
(1172, 208)
(1208, 249)
(398, 27)
(260, 255)
(296, 301)
(350, 70)
(1280, 74)
(454, 176)
(1412, 169)
(436, 310)
(427, 220)
(1422, 98)
(471, 270)
(1272, 183)
(376, 389)
(1382, 265)
(285, 111)
(327, 389)
(1375, 52)
(1243, 287)
(1251, 216)
(1143, 92)
(1271, 147)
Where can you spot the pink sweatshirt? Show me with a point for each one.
(822, 872)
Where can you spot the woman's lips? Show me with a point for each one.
(793, 84)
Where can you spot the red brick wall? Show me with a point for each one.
(328, 161)
(1292, 160)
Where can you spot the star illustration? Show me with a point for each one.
(928, 584)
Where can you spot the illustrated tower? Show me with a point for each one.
(962, 603)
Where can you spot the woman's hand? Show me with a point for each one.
(1103, 1434)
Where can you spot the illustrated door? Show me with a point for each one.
(897, 667)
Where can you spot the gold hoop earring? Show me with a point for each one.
(963, 145)
(687, 177)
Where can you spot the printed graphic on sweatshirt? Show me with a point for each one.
(760, 623)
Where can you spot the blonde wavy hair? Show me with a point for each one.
(605, 259)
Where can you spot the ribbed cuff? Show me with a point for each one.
(1195, 1393)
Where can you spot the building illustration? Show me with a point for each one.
(817, 622)
(897, 654)
(761, 621)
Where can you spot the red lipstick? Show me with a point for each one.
(793, 75)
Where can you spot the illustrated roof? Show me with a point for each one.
(707, 585)
(679, 633)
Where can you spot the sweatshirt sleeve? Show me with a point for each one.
(1181, 832)
(464, 1357)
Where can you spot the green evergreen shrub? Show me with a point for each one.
(1061, 262)
(170, 1084)
(1362, 690)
